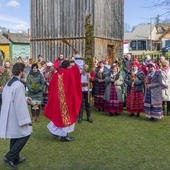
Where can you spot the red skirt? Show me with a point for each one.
(135, 101)
(113, 106)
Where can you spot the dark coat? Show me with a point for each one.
(139, 81)
(38, 79)
(96, 84)
(118, 86)
(126, 64)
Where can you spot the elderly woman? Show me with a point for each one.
(35, 84)
(153, 96)
(47, 74)
(113, 91)
(99, 88)
(135, 90)
(166, 84)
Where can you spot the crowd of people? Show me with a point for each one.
(140, 86)
(65, 88)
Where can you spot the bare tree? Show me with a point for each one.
(162, 18)
(126, 27)
(3, 29)
(162, 3)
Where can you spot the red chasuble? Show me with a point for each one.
(64, 97)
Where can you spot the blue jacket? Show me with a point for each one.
(138, 83)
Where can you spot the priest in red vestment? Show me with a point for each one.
(64, 100)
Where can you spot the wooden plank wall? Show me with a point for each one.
(101, 48)
(108, 19)
(51, 20)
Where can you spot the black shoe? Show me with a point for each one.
(154, 119)
(89, 120)
(79, 120)
(117, 114)
(67, 139)
(138, 114)
(132, 114)
(21, 160)
(9, 163)
(111, 114)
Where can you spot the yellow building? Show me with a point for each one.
(4, 48)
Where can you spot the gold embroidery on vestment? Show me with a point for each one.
(62, 100)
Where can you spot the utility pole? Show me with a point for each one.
(151, 33)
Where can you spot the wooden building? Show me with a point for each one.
(19, 46)
(4, 49)
(165, 38)
(142, 38)
(51, 20)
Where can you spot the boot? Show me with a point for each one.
(80, 116)
(37, 115)
(88, 112)
(33, 115)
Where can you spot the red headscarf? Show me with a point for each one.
(136, 64)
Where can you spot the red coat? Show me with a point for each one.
(57, 63)
(64, 97)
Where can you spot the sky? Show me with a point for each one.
(15, 14)
(141, 11)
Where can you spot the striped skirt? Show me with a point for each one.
(113, 106)
(152, 111)
(135, 101)
(98, 99)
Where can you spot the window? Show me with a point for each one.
(167, 42)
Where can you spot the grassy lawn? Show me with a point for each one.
(110, 143)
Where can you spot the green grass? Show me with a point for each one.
(110, 143)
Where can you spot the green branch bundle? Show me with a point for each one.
(89, 43)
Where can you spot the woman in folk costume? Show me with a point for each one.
(113, 91)
(47, 74)
(153, 96)
(135, 90)
(166, 84)
(35, 84)
(99, 87)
